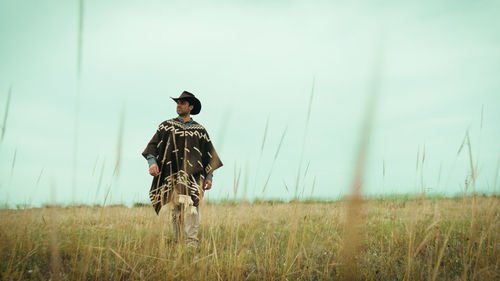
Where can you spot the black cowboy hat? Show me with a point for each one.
(192, 101)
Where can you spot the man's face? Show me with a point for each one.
(183, 107)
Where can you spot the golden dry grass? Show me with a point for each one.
(439, 239)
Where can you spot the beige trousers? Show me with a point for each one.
(185, 223)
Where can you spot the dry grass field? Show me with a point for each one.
(399, 239)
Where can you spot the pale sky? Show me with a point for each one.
(248, 61)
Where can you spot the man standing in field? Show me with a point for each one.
(181, 159)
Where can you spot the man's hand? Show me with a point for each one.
(208, 184)
(153, 170)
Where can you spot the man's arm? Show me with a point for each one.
(208, 182)
(151, 159)
(209, 177)
(153, 166)
(150, 151)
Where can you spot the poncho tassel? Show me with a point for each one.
(187, 203)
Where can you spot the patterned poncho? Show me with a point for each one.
(184, 156)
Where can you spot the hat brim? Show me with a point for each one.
(193, 101)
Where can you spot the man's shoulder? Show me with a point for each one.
(197, 126)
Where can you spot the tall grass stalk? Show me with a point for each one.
(478, 153)
(290, 246)
(383, 175)
(55, 259)
(11, 176)
(264, 137)
(79, 58)
(418, 158)
(306, 127)
(411, 251)
(95, 165)
(236, 181)
(286, 186)
(471, 178)
(35, 189)
(313, 186)
(353, 219)
(304, 180)
(99, 182)
(13, 163)
(119, 145)
(470, 242)
(39, 177)
(471, 162)
(245, 181)
(75, 145)
(422, 187)
(116, 171)
(441, 253)
(108, 191)
(6, 113)
(274, 159)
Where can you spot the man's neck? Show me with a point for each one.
(185, 118)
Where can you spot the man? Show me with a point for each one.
(181, 159)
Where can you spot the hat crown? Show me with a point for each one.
(186, 94)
